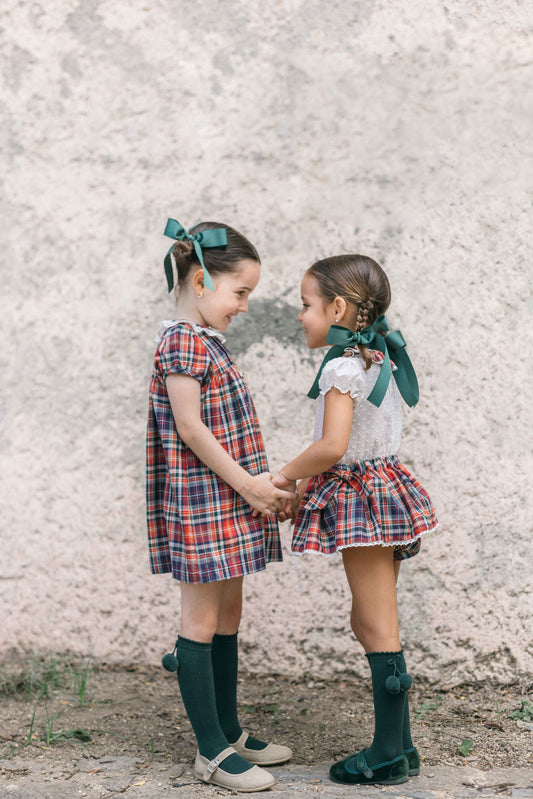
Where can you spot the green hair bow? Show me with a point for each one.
(391, 344)
(213, 237)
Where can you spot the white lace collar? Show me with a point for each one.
(166, 324)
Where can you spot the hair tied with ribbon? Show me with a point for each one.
(376, 337)
(212, 237)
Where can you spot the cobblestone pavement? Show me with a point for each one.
(128, 777)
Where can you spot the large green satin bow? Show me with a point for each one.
(391, 344)
(213, 237)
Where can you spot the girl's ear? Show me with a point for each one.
(340, 307)
(198, 282)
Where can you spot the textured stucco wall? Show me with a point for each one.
(401, 130)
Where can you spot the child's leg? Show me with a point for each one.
(199, 612)
(225, 659)
(372, 579)
(200, 605)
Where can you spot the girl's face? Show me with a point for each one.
(230, 297)
(317, 315)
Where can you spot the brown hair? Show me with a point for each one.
(217, 259)
(361, 282)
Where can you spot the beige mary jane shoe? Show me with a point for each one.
(211, 771)
(269, 756)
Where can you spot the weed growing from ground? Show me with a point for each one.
(39, 680)
(524, 712)
(465, 746)
(428, 707)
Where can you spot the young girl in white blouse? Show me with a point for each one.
(361, 501)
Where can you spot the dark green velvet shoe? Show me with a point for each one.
(413, 758)
(354, 770)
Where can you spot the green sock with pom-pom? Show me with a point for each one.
(389, 686)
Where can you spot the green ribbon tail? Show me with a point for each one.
(406, 378)
(169, 270)
(208, 280)
(381, 384)
(333, 352)
(404, 375)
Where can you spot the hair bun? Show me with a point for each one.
(182, 250)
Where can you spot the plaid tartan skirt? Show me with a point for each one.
(366, 503)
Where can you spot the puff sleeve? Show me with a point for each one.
(182, 351)
(344, 374)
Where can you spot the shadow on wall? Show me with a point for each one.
(267, 317)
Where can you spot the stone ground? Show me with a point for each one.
(77, 730)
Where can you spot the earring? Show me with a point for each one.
(201, 294)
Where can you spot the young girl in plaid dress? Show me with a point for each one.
(210, 498)
(360, 499)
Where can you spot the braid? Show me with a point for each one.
(365, 312)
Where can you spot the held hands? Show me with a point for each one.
(289, 509)
(264, 496)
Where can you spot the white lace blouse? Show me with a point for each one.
(376, 432)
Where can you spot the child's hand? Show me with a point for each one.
(282, 482)
(265, 497)
(296, 502)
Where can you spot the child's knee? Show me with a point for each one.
(199, 627)
(229, 618)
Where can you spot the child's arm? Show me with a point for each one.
(329, 448)
(259, 490)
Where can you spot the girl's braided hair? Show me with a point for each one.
(217, 259)
(361, 282)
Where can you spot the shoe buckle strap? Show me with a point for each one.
(363, 766)
(215, 763)
(212, 766)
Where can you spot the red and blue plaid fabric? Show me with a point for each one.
(199, 528)
(366, 503)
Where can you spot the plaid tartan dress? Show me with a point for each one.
(199, 528)
(369, 498)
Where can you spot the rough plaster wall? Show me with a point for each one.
(401, 130)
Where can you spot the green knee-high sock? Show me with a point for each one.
(407, 740)
(225, 659)
(195, 677)
(388, 708)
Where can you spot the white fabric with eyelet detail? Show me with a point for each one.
(376, 432)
